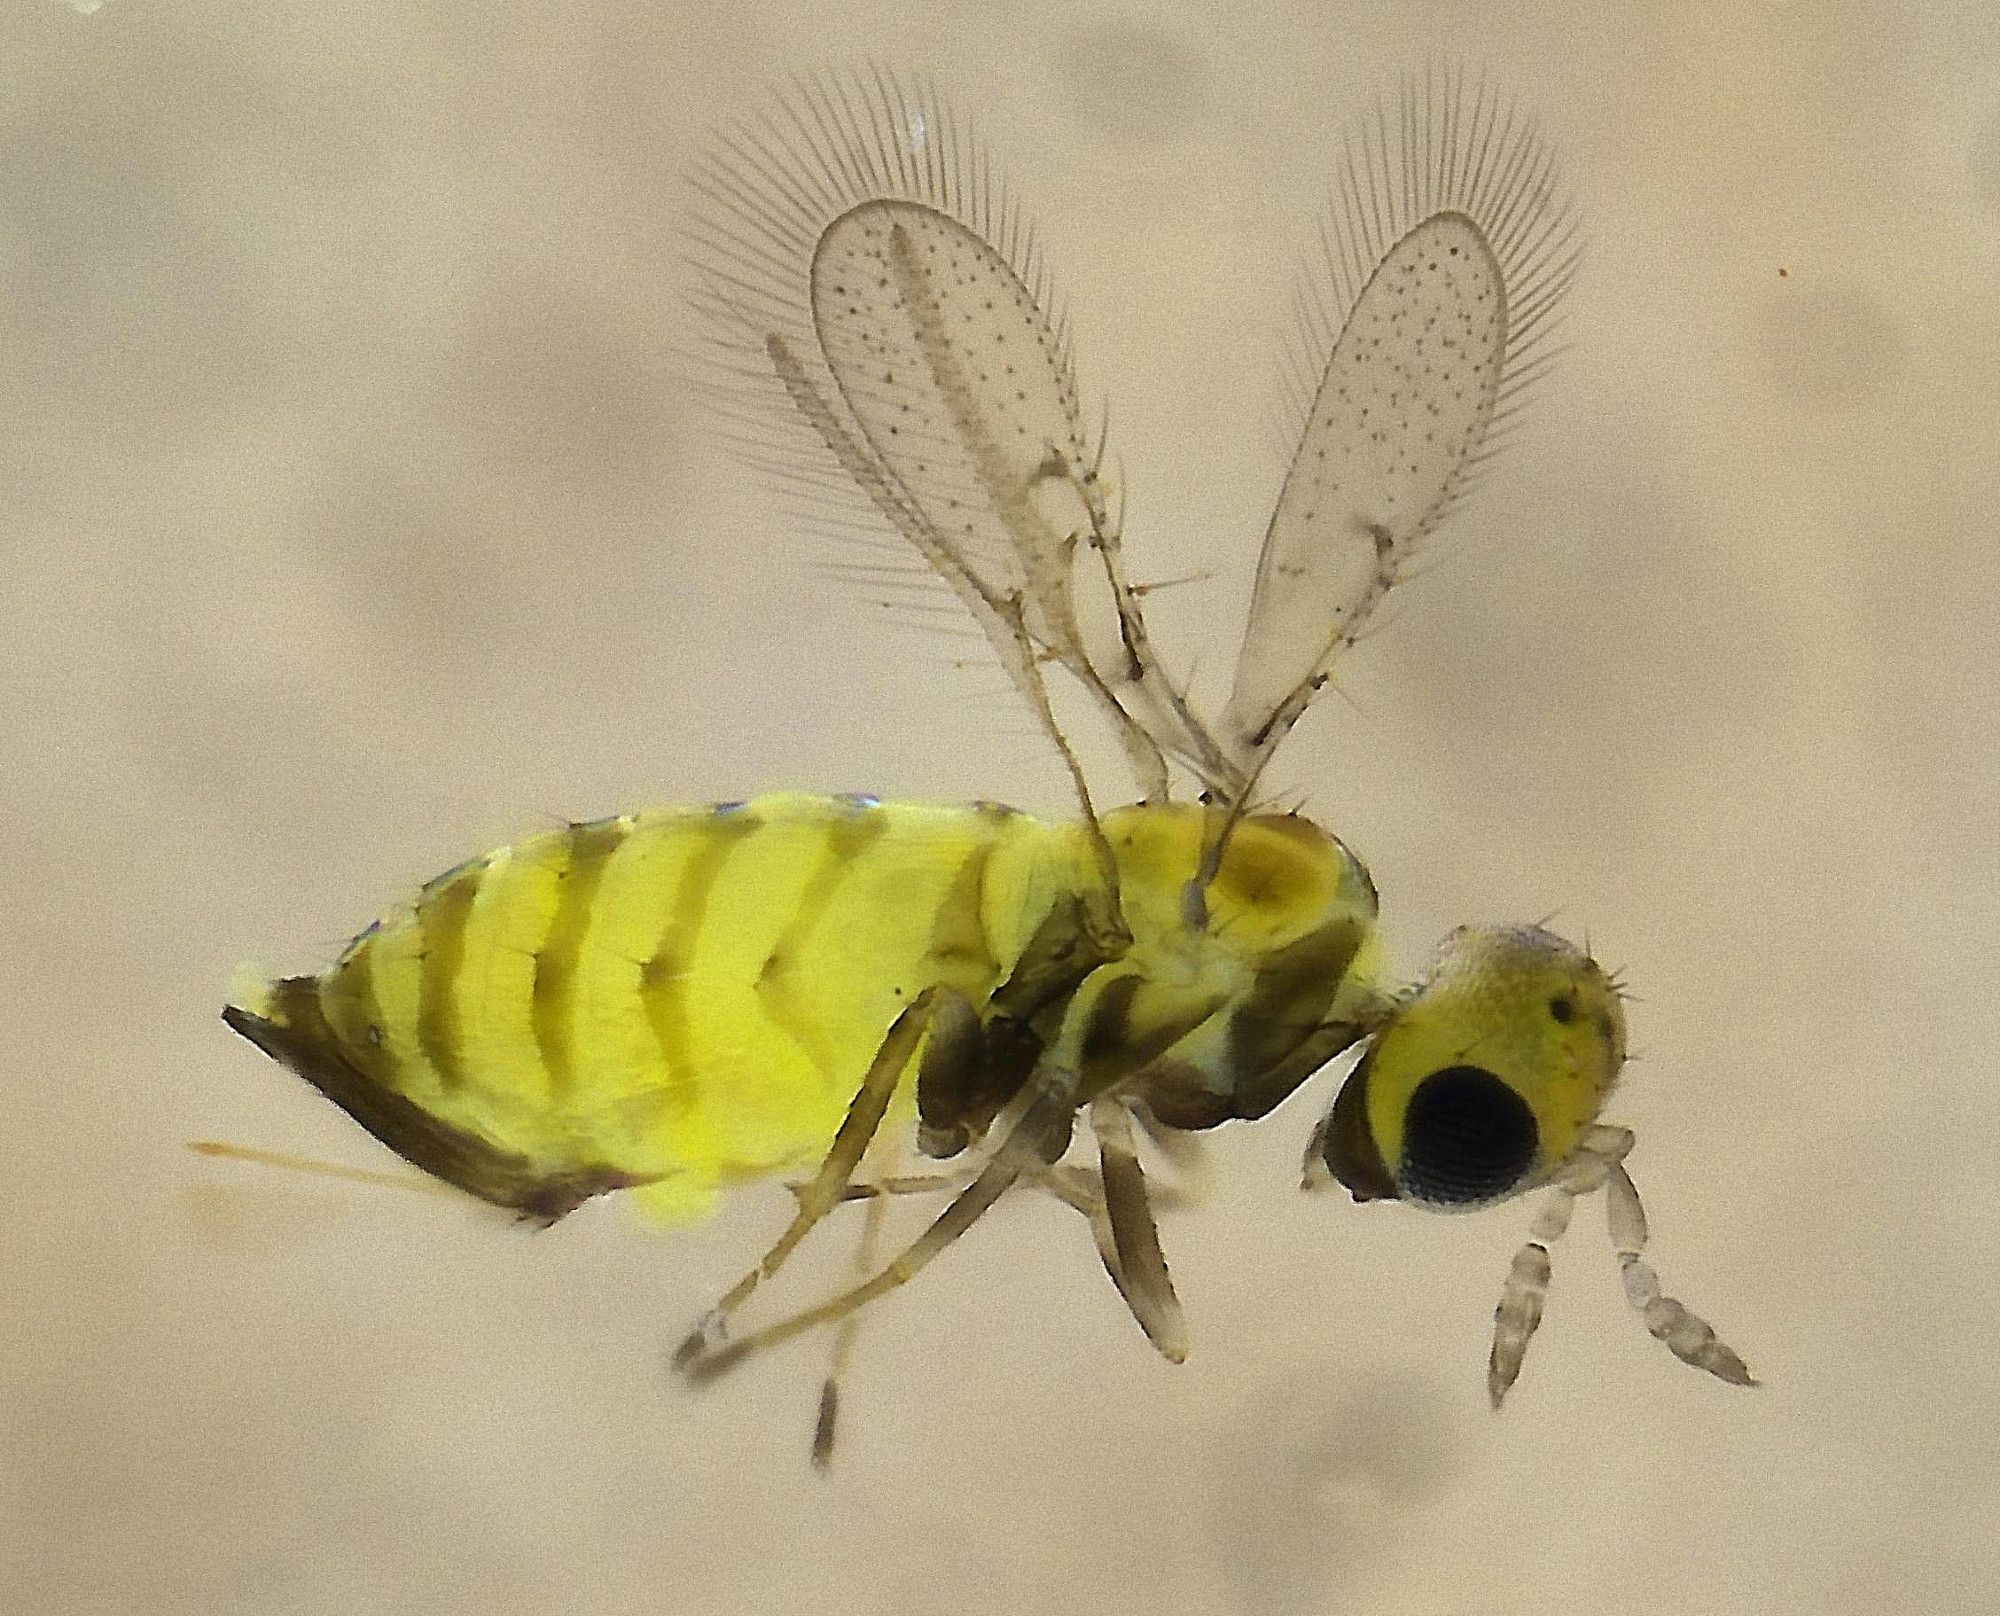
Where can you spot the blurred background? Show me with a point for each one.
(359, 517)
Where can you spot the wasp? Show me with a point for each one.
(677, 1001)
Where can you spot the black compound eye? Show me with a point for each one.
(1467, 1138)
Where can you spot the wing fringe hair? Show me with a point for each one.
(857, 257)
(885, 345)
(1444, 258)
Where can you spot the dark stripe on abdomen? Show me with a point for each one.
(797, 1014)
(443, 910)
(959, 946)
(346, 1006)
(663, 978)
(557, 960)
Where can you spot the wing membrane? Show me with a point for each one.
(1446, 257)
(865, 275)
(956, 382)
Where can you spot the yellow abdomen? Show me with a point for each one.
(667, 1001)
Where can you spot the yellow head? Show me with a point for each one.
(1482, 1082)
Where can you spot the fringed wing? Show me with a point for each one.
(871, 286)
(1449, 248)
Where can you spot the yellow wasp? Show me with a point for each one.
(679, 1000)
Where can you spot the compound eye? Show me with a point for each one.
(1467, 1138)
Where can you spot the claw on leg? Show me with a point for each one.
(710, 1331)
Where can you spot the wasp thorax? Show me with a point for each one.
(1481, 1083)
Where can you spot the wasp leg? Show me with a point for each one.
(1079, 1188)
(873, 1189)
(825, 1425)
(971, 1071)
(1598, 1163)
(1147, 1287)
(1082, 1189)
(827, 1186)
(1186, 1155)
(967, 1075)
(1033, 1142)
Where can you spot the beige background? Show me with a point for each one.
(356, 519)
